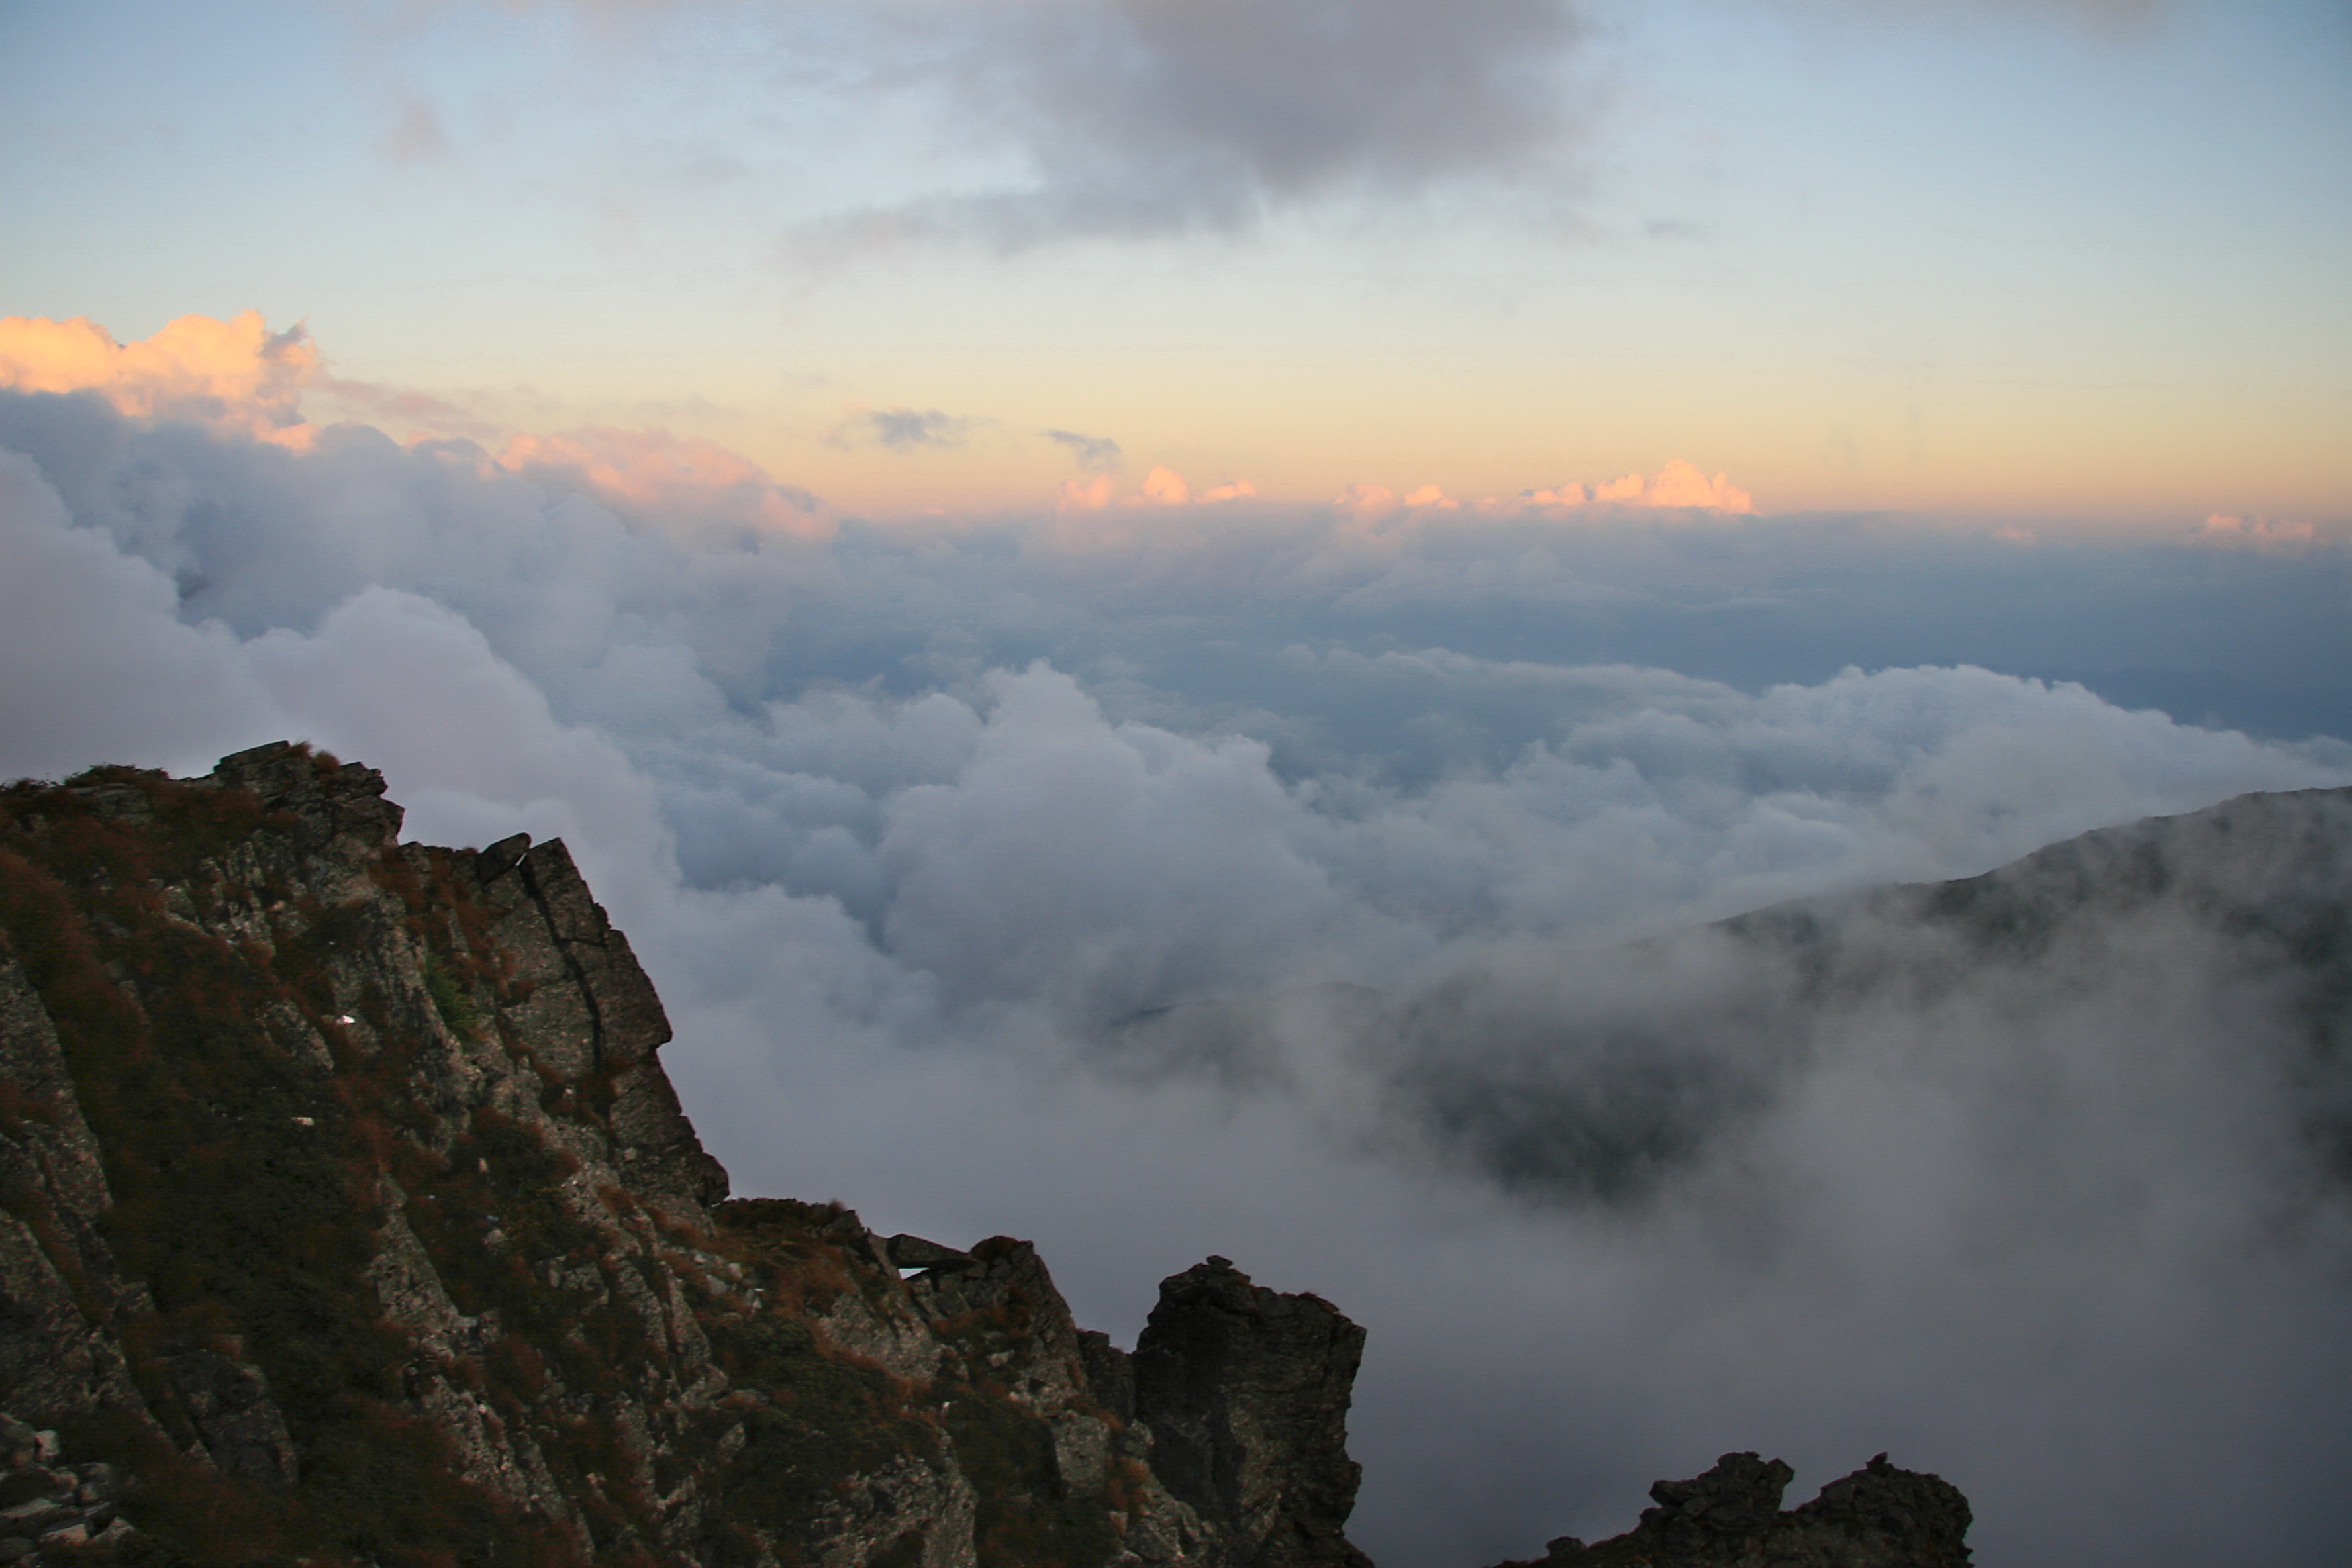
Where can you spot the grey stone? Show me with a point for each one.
(1246, 1392)
(242, 1427)
(1730, 1517)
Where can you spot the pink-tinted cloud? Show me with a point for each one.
(667, 476)
(1364, 505)
(1091, 496)
(237, 374)
(1162, 486)
(2227, 531)
(1680, 486)
(235, 371)
(1680, 483)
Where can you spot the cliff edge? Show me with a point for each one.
(347, 1216)
(349, 1220)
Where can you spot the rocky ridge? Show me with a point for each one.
(46, 1503)
(348, 1217)
(345, 1207)
(1731, 1517)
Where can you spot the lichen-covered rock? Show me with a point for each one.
(346, 1212)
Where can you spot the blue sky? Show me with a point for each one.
(2074, 259)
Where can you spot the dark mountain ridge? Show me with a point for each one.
(347, 1215)
(1600, 1077)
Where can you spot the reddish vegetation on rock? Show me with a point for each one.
(348, 1217)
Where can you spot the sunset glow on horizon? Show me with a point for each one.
(2071, 259)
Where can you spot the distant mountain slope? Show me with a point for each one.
(1597, 1076)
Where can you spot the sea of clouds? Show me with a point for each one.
(1062, 874)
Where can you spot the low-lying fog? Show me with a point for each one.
(1250, 880)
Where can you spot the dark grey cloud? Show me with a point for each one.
(1142, 118)
(1260, 889)
(1146, 117)
(904, 429)
(1136, 119)
(1094, 452)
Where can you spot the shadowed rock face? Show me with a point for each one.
(1246, 1392)
(347, 1214)
(1878, 1517)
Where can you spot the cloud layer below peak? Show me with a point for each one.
(1054, 873)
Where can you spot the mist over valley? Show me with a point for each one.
(1371, 896)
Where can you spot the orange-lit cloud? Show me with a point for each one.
(1365, 502)
(2227, 531)
(1092, 496)
(235, 371)
(238, 375)
(1678, 486)
(665, 476)
(1162, 486)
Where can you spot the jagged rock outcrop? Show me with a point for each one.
(1245, 1390)
(51, 1510)
(347, 1215)
(1878, 1517)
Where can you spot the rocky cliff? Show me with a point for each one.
(348, 1217)
(1878, 1517)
